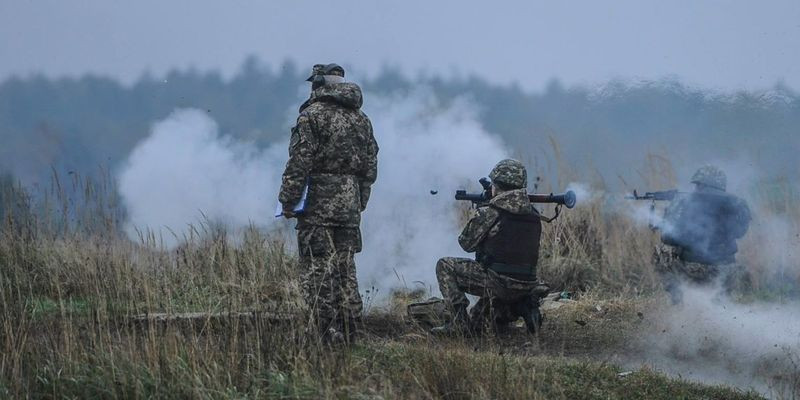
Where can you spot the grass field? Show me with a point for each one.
(73, 289)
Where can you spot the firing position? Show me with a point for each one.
(504, 234)
(698, 234)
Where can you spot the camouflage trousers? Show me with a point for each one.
(674, 272)
(328, 274)
(458, 276)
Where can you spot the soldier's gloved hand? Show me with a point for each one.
(288, 213)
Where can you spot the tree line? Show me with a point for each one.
(82, 124)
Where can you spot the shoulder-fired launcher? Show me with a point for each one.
(567, 198)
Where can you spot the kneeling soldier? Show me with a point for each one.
(699, 233)
(505, 237)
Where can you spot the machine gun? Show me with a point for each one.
(567, 199)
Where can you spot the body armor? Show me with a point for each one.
(512, 246)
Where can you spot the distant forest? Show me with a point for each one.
(84, 124)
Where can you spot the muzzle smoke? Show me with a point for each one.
(584, 193)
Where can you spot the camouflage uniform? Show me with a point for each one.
(333, 150)
(699, 233)
(458, 276)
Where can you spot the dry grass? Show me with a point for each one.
(70, 283)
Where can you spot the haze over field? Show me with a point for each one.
(729, 45)
(690, 79)
(186, 108)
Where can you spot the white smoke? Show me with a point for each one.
(644, 213)
(424, 148)
(584, 193)
(773, 248)
(711, 339)
(186, 172)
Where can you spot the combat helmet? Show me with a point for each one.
(711, 176)
(510, 174)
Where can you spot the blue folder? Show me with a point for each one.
(298, 208)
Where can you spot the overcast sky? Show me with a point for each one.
(718, 44)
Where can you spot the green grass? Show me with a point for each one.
(71, 336)
(458, 371)
(40, 308)
(373, 370)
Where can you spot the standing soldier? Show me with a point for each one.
(333, 154)
(699, 233)
(505, 236)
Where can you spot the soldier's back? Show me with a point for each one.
(345, 132)
(345, 160)
(706, 225)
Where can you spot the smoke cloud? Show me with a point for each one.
(187, 172)
(407, 228)
(711, 339)
(584, 193)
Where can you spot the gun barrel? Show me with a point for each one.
(473, 197)
(568, 198)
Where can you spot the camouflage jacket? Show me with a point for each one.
(484, 223)
(704, 226)
(334, 150)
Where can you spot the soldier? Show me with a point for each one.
(505, 236)
(699, 233)
(334, 153)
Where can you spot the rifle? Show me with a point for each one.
(666, 195)
(567, 198)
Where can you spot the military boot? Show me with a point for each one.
(330, 332)
(528, 308)
(458, 326)
(351, 329)
(333, 338)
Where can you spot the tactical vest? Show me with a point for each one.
(514, 249)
